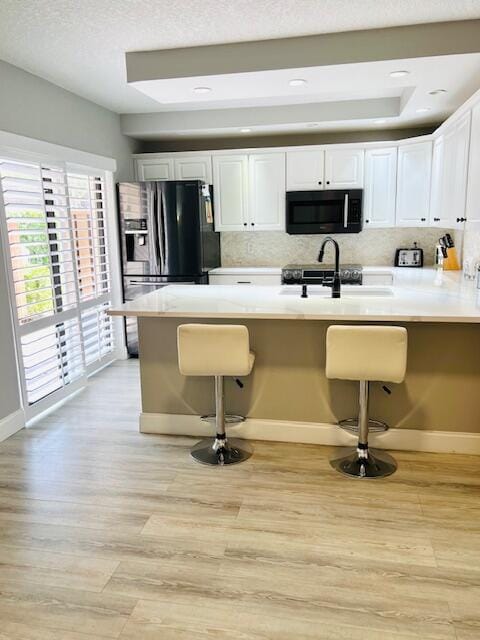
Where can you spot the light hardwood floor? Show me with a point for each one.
(108, 533)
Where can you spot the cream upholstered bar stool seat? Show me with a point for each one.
(366, 354)
(216, 350)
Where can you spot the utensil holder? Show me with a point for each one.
(450, 263)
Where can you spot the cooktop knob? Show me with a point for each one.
(346, 273)
(297, 273)
(356, 274)
(288, 275)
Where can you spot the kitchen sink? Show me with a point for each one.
(348, 291)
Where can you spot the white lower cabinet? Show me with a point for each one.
(380, 187)
(249, 192)
(413, 184)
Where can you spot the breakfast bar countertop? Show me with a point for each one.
(417, 295)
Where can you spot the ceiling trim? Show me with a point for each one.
(144, 124)
(393, 43)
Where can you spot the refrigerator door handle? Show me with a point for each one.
(162, 232)
(152, 193)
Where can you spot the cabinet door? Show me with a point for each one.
(380, 187)
(194, 168)
(462, 145)
(344, 169)
(267, 192)
(305, 170)
(413, 184)
(158, 169)
(472, 211)
(230, 189)
(438, 207)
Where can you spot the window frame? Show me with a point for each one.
(112, 248)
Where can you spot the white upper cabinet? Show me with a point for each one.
(344, 168)
(413, 184)
(267, 191)
(438, 210)
(193, 168)
(380, 187)
(230, 192)
(249, 192)
(460, 175)
(305, 170)
(472, 210)
(449, 175)
(155, 169)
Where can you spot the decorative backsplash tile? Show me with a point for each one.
(471, 250)
(374, 247)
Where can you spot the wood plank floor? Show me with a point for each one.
(107, 533)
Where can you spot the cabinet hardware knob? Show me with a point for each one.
(319, 182)
(328, 181)
(422, 219)
(367, 221)
(459, 219)
(253, 224)
(244, 224)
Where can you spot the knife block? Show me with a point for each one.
(450, 263)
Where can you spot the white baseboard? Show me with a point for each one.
(315, 433)
(11, 424)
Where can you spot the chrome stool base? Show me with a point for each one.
(229, 418)
(374, 426)
(215, 452)
(369, 463)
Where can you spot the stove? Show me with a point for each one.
(320, 273)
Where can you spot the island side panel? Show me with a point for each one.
(441, 390)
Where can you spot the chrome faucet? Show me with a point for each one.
(335, 282)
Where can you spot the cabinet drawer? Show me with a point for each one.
(265, 280)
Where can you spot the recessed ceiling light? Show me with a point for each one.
(423, 110)
(245, 130)
(297, 82)
(436, 92)
(399, 74)
(381, 121)
(202, 90)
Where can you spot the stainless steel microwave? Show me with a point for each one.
(328, 211)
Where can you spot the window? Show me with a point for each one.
(57, 240)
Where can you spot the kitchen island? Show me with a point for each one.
(287, 397)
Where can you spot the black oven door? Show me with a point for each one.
(329, 211)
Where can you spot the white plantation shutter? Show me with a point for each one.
(56, 236)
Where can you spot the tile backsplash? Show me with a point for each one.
(471, 250)
(374, 247)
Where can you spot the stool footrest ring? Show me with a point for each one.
(374, 426)
(229, 418)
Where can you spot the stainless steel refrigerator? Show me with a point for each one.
(167, 236)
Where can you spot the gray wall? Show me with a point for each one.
(326, 137)
(33, 107)
(9, 394)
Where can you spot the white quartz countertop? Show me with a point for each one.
(418, 295)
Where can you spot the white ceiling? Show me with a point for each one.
(81, 44)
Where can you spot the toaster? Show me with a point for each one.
(409, 257)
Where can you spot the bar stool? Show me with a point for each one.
(216, 350)
(366, 353)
